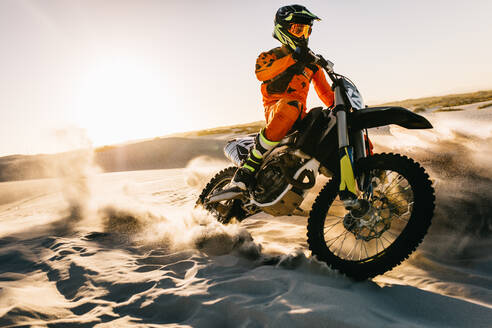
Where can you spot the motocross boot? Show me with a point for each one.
(244, 176)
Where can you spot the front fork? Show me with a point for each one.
(348, 185)
(348, 188)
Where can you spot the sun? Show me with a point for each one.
(124, 98)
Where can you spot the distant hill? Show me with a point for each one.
(422, 104)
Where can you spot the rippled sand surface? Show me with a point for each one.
(129, 249)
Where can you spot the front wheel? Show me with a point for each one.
(398, 205)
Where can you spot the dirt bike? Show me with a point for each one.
(373, 212)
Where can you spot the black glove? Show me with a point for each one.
(304, 55)
(321, 61)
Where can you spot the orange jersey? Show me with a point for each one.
(283, 77)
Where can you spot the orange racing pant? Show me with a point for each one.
(281, 116)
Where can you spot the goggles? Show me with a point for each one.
(299, 30)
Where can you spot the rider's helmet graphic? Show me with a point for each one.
(293, 25)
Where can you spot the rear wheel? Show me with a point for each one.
(226, 210)
(398, 205)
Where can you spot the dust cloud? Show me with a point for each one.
(457, 155)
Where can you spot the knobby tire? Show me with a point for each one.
(404, 245)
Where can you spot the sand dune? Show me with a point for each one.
(128, 249)
(159, 153)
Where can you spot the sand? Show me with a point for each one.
(129, 249)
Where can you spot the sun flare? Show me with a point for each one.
(122, 99)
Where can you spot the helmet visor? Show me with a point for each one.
(299, 30)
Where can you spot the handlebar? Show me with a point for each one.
(303, 53)
(324, 63)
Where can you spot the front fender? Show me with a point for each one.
(372, 117)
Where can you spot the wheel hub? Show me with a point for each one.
(370, 220)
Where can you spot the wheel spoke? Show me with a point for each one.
(396, 236)
(399, 201)
(331, 227)
(391, 186)
(334, 224)
(389, 242)
(336, 238)
(386, 179)
(355, 245)
(382, 245)
(365, 248)
(385, 176)
(398, 192)
(343, 241)
(399, 218)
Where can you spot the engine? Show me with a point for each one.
(273, 178)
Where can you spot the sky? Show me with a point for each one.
(78, 73)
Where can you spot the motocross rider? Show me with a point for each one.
(285, 73)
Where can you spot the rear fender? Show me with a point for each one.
(372, 117)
